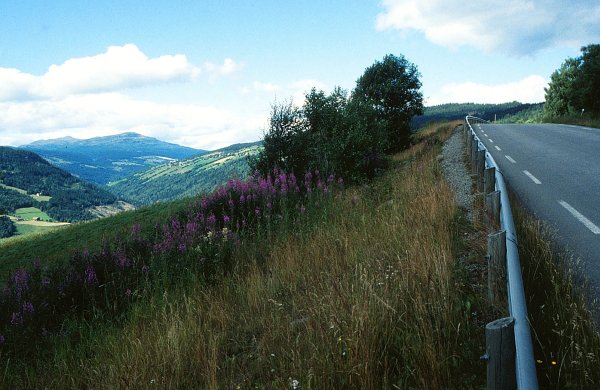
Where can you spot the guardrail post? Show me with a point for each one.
(474, 148)
(480, 168)
(492, 208)
(489, 180)
(496, 255)
(500, 354)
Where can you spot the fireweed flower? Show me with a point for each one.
(226, 219)
(28, 308)
(16, 319)
(90, 275)
(20, 280)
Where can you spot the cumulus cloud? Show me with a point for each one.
(118, 68)
(86, 97)
(527, 90)
(228, 67)
(516, 27)
(85, 116)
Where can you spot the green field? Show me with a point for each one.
(39, 198)
(29, 213)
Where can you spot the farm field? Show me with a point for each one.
(29, 213)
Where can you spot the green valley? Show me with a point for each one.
(186, 177)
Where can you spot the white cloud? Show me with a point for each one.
(227, 68)
(86, 97)
(85, 116)
(518, 27)
(118, 68)
(527, 90)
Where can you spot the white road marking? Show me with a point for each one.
(491, 141)
(485, 135)
(497, 148)
(588, 224)
(510, 159)
(533, 178)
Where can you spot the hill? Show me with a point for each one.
(186, 177)
(29, 184)
(454, 111)
(103, 159)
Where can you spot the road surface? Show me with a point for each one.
(555, 171)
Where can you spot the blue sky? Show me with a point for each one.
(204, 73)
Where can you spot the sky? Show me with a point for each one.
(205, 73)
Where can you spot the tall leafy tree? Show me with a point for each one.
(392, 87)
(575, 85)
(588, 82)
(561, 94)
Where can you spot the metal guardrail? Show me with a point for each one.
(525, 371)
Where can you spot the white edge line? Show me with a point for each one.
(533, 178)
(588, 224)
(510, 159)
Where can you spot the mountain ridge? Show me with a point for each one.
(103, 159)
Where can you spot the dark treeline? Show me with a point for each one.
(28, 171)
(7, 227)
(348, 134)
(490, 112)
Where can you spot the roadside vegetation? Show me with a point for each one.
(573, 93)
(565, 337)
(364, 287)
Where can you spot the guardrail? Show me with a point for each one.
(509, 350)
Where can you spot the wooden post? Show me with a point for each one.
(480, 168)
(496, 254)
(474, 148)
(492, 208)
(489, 180)
(500, 354)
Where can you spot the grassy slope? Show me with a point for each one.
(186, 177)
(54, 245)
(368, 293)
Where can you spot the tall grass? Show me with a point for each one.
(366, 291)
(566, 340)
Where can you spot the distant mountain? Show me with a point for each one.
(27, 180)
(453, 111)
(186, 177)
(103, 159)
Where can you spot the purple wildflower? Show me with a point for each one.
(226, 219)
(182, 247)
(90, 275)
(122, 260)
(136, 229)
(16, 319)
(2, 339)
(128, 292)
(28, 308)
(145, 269)
(20, 279)
(211, 221)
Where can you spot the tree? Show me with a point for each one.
(392, 88)
(575, 85)
(7, 227)
(285, 143)
(588, 82)
(561, 93)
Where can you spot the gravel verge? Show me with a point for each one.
(455, 171)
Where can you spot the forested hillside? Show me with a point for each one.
(110, 158)
(186, 177)
(27, 180)
(453, 111)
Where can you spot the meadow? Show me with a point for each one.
(284, 282)
(275, 282)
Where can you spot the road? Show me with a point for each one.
(555, 171)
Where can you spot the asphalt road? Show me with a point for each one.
(555, 171)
